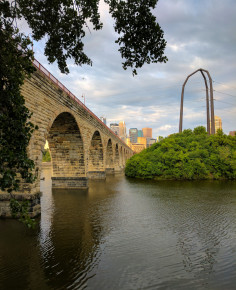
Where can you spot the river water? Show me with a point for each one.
(125, 234)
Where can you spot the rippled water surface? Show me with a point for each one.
(125, 234)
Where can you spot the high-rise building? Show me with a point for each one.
(150, 141)
(218, 123)
(115, 128)
(140, 133)
(122, 131)
(147, 132)
(104, 120)
(232, 133)
(143, 141)
(133, 133)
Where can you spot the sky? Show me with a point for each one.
(199, 34)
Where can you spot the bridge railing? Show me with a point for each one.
(71, 95)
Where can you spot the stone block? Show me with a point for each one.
(110, 171)
(70, 182)
(96, 175)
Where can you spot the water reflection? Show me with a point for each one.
(71, 236)
(125, 234)
(203, 220)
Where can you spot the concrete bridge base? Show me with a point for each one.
(70, 182)
(110, 171)
(120, 170)
(34, 203)
(96, 175)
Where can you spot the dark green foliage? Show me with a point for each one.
(187, 155)
(15, 127)
(64, 24)
(141, 39)
(20, 209)
(46, 156)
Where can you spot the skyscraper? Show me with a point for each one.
(122, 131)
(133, 133)
(218, 123)
(147, 132)
(115, 128)
(142, 140)
(140, 133)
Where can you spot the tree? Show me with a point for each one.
(15, 127)
(64, 21)
(64, 24)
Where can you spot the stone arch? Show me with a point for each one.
(207, 102)
(96, 157)
(109, 157)
(67, 152)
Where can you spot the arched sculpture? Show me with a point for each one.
(210, 129)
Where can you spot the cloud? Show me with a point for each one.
(166, 127)
(199, 34)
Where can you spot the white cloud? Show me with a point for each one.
(166, 127)
(198, 33)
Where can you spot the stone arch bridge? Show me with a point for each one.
(81, 145)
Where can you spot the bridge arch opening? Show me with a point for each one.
(46, 155)
(109, 157)
(96, 157)
(67, 152)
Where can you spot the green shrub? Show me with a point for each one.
(187, 155)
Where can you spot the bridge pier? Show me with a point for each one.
(70, 182)
(96, 175)
(110, 171)
(81, 146)
(119, 170)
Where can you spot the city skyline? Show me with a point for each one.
(202, 35)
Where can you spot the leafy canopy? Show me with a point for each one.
(64, 23)
(187, 155)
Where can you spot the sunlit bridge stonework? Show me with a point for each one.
(81, 145)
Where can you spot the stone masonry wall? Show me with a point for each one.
(70, 129)
(47, 102)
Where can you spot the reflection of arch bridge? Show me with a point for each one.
(81, 145)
